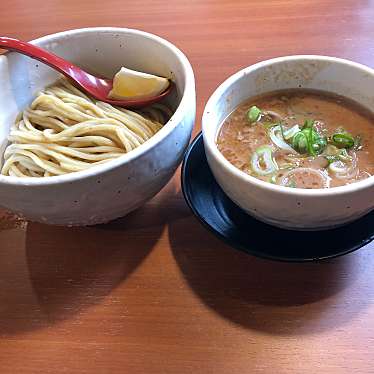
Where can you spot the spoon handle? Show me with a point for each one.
(97, 87)
(40, 54)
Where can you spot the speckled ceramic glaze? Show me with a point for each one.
(113, 189)
(282, 206)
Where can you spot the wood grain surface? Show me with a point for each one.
(155, 292)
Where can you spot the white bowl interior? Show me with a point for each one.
(98, 51)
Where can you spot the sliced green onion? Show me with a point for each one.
(342, 140)
(332, 153)
(308, 140)
(288, 134)
(330, 159)
(263, 156)
(300, 142)
(308, 131)
(308, 124)
(276, 137)
(253, 114)
(319, 144)
(345, 170)
(338, 167)
(344, 156)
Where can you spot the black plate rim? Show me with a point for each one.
(259, 254)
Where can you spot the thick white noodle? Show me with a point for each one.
(64, 131)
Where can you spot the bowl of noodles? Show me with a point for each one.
(69, 159)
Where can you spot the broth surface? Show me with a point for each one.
(239, 140)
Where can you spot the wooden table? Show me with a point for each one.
(155, 292)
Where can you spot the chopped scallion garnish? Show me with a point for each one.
(330, 159)
(338, 167)
(262, 161)
(276, 136)
(308, 140)
(308, 124)
(288, 134)
(342, 140)
(319, 144)
(254, 114)
(300, 142)
(342, 155)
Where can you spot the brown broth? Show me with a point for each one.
(238, 139)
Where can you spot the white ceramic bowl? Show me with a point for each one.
(113, 189)
(282, 206)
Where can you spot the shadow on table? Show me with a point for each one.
(60, 271)
(273, 297)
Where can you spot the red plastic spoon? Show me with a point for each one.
(97, 87)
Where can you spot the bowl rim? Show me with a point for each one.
(169, 126)
(210, 142)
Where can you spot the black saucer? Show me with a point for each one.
(225, 219)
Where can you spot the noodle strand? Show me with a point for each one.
(65, 131)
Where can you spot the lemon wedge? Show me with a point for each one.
(131, 84)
